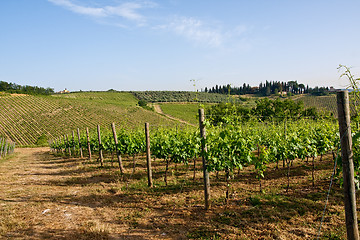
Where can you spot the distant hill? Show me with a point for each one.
(25, 118)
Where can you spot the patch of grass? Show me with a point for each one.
(186, 111)
(139, 185)
(131, 217)
(42, 141)
(204, 234)
(124, 99)
(255, 201)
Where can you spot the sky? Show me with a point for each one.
(139, 45)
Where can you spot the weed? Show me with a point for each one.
(255, 201)
(204, 234)
(93, 230)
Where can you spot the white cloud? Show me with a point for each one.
(239, 30)
(195, 30)
(127, 10)
(205, 34)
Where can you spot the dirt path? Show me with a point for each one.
(47, 197)
(160, 111)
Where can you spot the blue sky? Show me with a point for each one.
(161, 45)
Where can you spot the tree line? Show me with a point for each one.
(32, 90)
(268, 88)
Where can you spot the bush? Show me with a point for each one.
(144, 104)
(42, 141)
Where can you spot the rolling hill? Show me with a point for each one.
(25, 118)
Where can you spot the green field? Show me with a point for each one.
(122, 99)
(186, 111)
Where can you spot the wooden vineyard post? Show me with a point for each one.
(59, 144)
(73, 142)
(68, 143)
(116, 148)
(347, 165)
(148, 155)
(80, 147)
(285, 123)
(56, 145)
(204, 160)
(100, 147)
(6, 149)
(62, 149)
(12, 147)
(51, 142)
(1, 147)
(88, 142)
(65, 149)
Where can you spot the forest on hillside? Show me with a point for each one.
(270, 87)
(31, 90)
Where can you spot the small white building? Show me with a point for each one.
(64, 91)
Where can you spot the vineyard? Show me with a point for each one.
(261, 148)
(230, 148)
(322, 103)
(267, 178)
(182, 96)
(24, 118)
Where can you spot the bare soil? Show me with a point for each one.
(45, 196)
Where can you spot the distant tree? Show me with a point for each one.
(267, 91)
(293, 86)
(15, 88)
(276, 91)
(302, 88)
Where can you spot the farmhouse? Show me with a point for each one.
(64, 91)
